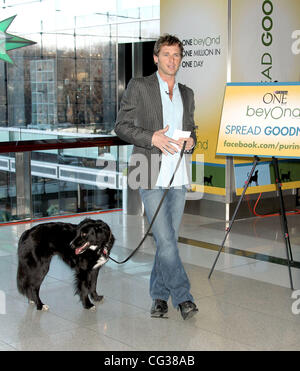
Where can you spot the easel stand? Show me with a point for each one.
(284, 224)
(282, 214)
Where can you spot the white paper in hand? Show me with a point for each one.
(180, 134)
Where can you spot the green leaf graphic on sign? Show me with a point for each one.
(10, 42)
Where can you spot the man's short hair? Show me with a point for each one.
(167, 39)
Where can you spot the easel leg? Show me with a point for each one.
(283, 220)
(256, 159)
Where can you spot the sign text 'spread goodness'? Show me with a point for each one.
(260, 119)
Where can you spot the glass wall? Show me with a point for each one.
(66, 85)
(7, 190)
(67, 80)
(66, 184)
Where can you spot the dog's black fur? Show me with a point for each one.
(84, 247)
(254, 178)
(208, 180)
(286, 177)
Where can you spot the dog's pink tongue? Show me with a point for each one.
(79, 249)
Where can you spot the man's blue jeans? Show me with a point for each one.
(168, 277)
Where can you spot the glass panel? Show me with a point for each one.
(129, 32)
(3, 111)
(65, 86)
(2, 86)
(149, 29)
(7, 188)
(68, 78)
(65, 45)
(49, 45)
(66, 70)
(76, 180)
(82, 46)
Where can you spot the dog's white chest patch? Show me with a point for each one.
(93, 247)
(102, 260)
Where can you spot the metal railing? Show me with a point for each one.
(25, 168)
(46, 144)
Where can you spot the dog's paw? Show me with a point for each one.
(93, 308)
(45, 308)
(97, 297)
(31, 302)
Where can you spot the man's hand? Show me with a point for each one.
(189, 143)
(163, 142)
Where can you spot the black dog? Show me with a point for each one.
(286, 177)
(208, 180)
(84, 247)
(254, 178)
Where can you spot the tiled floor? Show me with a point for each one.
(246, 305)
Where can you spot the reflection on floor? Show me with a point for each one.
(246, 305)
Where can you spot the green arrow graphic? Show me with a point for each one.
(10, 42)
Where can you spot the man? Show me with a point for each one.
(153, 109)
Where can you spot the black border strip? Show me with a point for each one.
(239, 252)
(46, 144)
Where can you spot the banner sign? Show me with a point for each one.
(265, 40)
(260, 119)
(202, 26)
(265, 48)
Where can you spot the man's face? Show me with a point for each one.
(168, 60)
